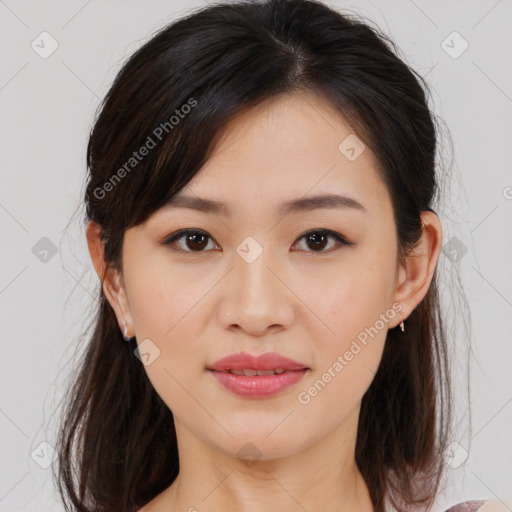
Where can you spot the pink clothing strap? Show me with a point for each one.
(467, 506)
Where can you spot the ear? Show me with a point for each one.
(111, 279)
(415, 276)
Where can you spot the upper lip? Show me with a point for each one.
(266, 361)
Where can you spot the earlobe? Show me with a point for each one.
(114, 290)
(415, 277)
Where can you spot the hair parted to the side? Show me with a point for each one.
(117, 446)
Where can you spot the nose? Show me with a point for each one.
(256, 298)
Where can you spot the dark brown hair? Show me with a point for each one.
(117, 446)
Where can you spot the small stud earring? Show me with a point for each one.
(125, 331)
(402, 326)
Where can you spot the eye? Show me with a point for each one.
(317, 239)
(196, 240)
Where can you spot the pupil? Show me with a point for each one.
(192, 237)
(315, 236)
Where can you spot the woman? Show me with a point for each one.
(260, 214)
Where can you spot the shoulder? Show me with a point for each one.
(480, 506)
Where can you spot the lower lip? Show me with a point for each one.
(258, 386)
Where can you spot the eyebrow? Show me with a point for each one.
(303, 204)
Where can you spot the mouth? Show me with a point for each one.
(252, 373)
(253, 384)
(257, 376)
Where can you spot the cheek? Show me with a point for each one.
(163, 296)
(348, 359)
(358, 296)
(171, 305)
(169, 308)
(357, 309)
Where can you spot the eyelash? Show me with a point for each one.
(183, 232)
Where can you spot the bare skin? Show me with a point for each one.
(304, 302)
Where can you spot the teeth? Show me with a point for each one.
(248, 373)
(266, 372)
(252, 373)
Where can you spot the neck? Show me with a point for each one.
(322, 477)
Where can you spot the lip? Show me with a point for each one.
(266, 361)
(263, 386)
(257, 386)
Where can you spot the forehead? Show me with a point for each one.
(290, 146)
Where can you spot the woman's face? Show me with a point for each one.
(253, 283)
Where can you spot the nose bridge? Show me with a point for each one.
(256, 299)
(254, 279)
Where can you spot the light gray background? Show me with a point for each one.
(47, 107)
